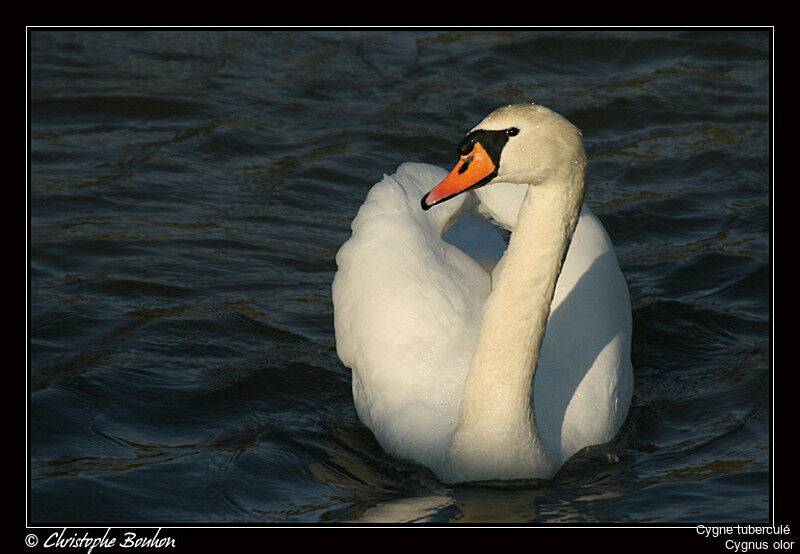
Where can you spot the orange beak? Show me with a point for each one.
(471, 170)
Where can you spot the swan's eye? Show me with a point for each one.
(512, 132)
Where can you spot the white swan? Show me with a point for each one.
(479, 375)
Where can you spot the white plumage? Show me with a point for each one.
(410, 310)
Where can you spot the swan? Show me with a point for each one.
(486, 370)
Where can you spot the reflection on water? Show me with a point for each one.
(356, 464)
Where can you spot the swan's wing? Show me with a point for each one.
(584, 382)
(501, 202)
(407, 308)
(479, 238)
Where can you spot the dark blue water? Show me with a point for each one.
(189, 191)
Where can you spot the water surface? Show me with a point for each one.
(189, 191)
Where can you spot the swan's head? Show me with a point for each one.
(521, 143)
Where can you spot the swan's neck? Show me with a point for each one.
(496, 431)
